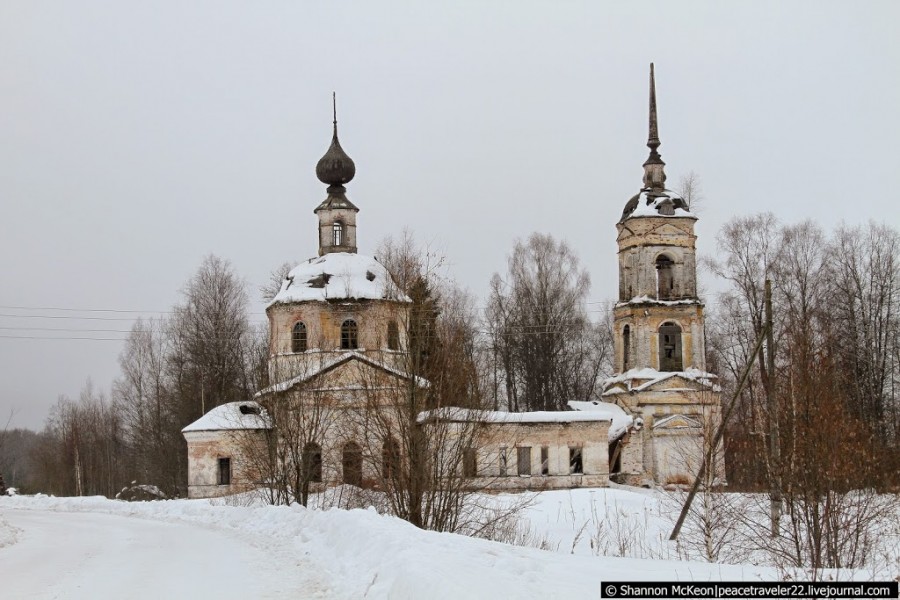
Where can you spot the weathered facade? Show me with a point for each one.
(339, 369)
(659, 332)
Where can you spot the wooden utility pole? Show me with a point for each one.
(711, 449)
(772, 403)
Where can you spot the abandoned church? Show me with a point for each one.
(339, 366)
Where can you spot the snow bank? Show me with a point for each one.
(8, 533)
(364, 554)
(339, 276)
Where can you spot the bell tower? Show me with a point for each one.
(658, 317)
(659, 334)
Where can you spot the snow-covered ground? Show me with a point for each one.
(99, 548)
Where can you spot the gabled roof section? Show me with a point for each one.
(232, 416)
(335, 362)
(643, 380)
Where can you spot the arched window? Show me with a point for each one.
(349, 335)
(298, 337)
(352, 464)
(337, 233)
(393, 335)
(665, 281)
(670, 347)
(312, 463)
(390, 459)
(626, 348)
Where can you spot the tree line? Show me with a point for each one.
(534, 346)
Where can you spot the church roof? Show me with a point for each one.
(649, 203)
(339, 276)
(335, 167)
(621, 420)
(232, 416)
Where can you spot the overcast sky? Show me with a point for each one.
(138, 137)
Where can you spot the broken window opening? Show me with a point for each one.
(352, 464)
(545, 460)
(224, 471)
(626, 348)
(470, 463)
(665, 280)
(393, 336)
(503, 462)
(337, 233)
(298, 337)
(311, 463)
(670, 347)
(524, 460)
(390, 459)
(576, 465)
(349, 335)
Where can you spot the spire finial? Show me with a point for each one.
(653, 137)
(335, 168)
(654, 173)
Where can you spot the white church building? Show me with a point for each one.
(338, 348)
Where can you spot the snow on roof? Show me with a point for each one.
(339, 276)
(650, 377)
(648, 300)
(646, 205)
(621, 421)
(449, 413)
(333, 361)
(234, 415)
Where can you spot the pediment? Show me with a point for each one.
(667, 229)
(677, 422)
(676, 383)
(355, 373)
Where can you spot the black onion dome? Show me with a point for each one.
(335, 167)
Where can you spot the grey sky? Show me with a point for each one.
(135, 138)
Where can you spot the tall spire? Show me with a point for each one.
(654, 172)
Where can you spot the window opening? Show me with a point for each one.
(337, 233)
(545, 460)
(224, 471)
(665, 282)
(349, 335)
(503, 462)
(670, 347)
(470, 463)
(352, 464)
(298, 337)
(524, 460)
(576, 466)
(390, 459)
(393, 335)
(626, 348)
(312, 463)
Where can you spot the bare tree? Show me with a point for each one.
(143, 395)
(690, 188)
(270, 288)
(546, 347)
